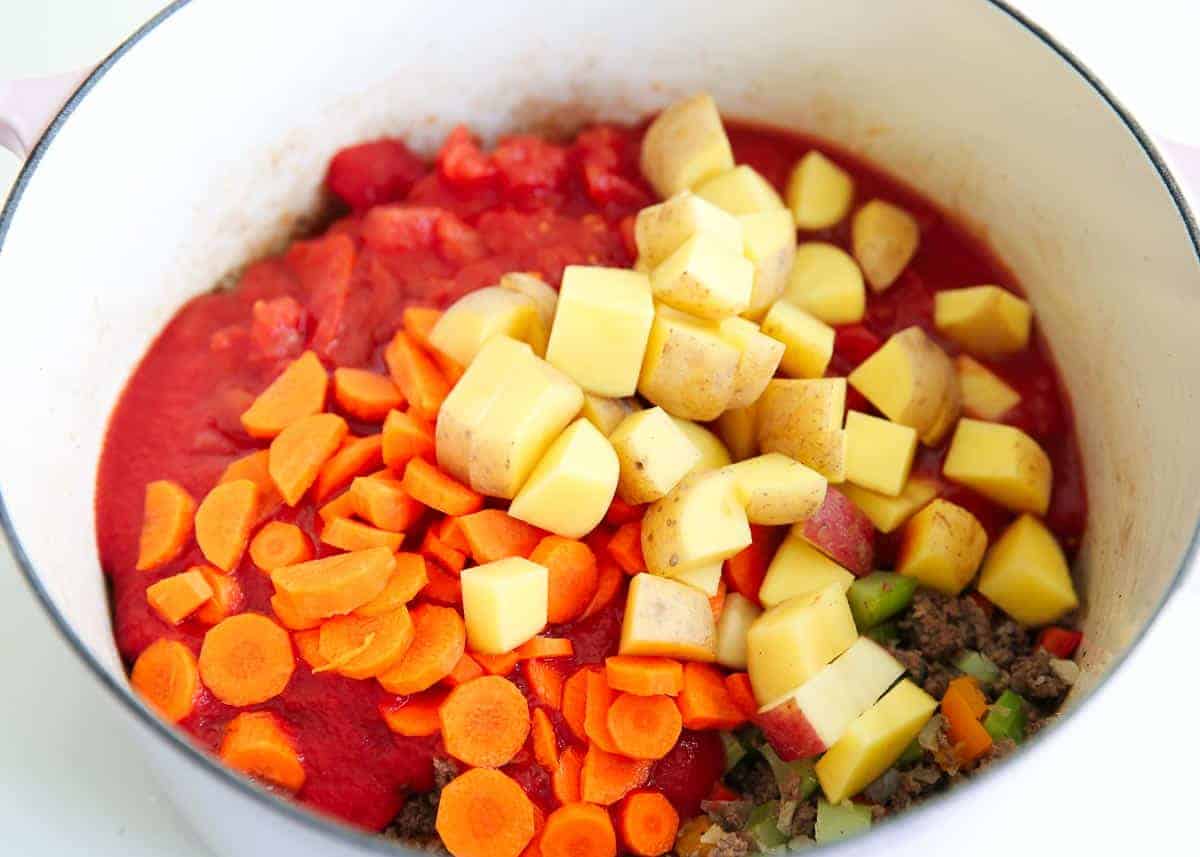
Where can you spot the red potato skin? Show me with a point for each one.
(843, 533)
(789, 732)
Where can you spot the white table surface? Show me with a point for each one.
(71, 783)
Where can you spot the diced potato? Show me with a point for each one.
(798, 569)
(713, 454)
(667, 618)
(789, 643)
(885, 239)
(738, 430)
(912, 381)
(699, 522)
(605, 413)
(689, 369)
(770, 245)
(741, 190)
(778, 490)
(760, 358)
(1002, 463)
(737, 617)
(706, 578)
(654, 455)
(879, 453)
(1026, 575)
(685, 145)
(825, 281)
(818, 192)
(942, 547)
(478, 316)
(600, 329)
(984, 395)
(705, 278)
(802, 419)
(986, 320)
(888, 513)
(808, 340)
(504, 604)
(571, 488)
(874, 741)
(533, 287)
(662, 229)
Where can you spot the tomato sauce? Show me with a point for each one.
(528, 205)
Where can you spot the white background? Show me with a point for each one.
(70, 783)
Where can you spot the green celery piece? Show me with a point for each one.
(840, 820)
(735, 751)
(978, 666)
(796, 780)
(912, 754)
(763, 826)
(879, 596)
(1006, 718)
(883, 634)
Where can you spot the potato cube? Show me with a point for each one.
(879, 453)
(885, 239)
(689, 369)
(654, 455)
(737, 617)
(770, 245)
(685, 145)
(760, 358)
(942, 546)
(818, 192)
(826, 282)
(699, 522)
(798, 569)
(478, 316)
(504, 604)
(713, 454)
(808, 340)
(741, 190)
(874, 741)
(662, 229)
(986, 320)
(912, 381)
(571, 488)
(789, 643)
(888, 513)
(778, 490)
(802, 419)
(667, 618)
(985, 396)
(600, 329)
(1026, 575)
(542, 294)
(706, 578)
(605, 413)
(738, 430)
(704, 277)
(1002, 463)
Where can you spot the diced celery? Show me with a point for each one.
(978, 666)
(879, 596)
(912, 754)
(883, 634)
(763, 826)
(796, 780)
(839, 820)
(1006, 718)
(735, 750)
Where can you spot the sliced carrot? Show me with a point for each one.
(620, 512)
(166, 524)
(256, 744)
(746, 570)
(626, 548)
(595, 718)
(464, 671)
(226, 596)
(347, 535)
(644, 675)
(485, 722)
(365, 394)
(608, 584)
(484, 813)
(545, 741)
(308, 644)
(402, 587)
(968, 688)
(224, 520)
(451, 560)
(705, 702)
(742, 694)
(565, 779)
(545, 682)
(607, 777)
(450, 533)
(383, 640)
(716, 603)
(406, 436)
(970, 739)
(300, 450)
(450, 369)
(579, 830)
(254, 468)
(247, 659)
(166, 677)
(419, 379)
(545, 647)
(502, 664)
(644, 727)
(435, 489)
(336, 584)
(574, 701)
(572, 576)
(342, 506)
(384, 503)
(298, 392)
(494, 534)
(417, 716)
(648, 823)
(278, 544)
(357, 455)
(419, 321)
(291, 618)
(438, 644)
(176, 597)
(441, 587)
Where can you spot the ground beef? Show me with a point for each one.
(938, 626)
(444, 772)
(731, 815)
(733, 845)
(1005, 640)
(933, 676)
(415, 822)
(915, 783)
(1033, 678)
(754, 780)
(804, 822)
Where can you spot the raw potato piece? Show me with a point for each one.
(600, 329)
(477, 316)
(713, 454)
(737, 617)
(984, 395)
(802, 419)
(799, 569)
(818, 192)
(505, 603)
(826, 282)
(662, 229)
(778, 490)
(685, 145)
(808, 340)
(986, 320)
(699, 522)
(605, 413)
(942, 547)
(879, 453)
(888, 513)
(885, 238)
(760, 358)
(667, 618)
(654, 454)
(706, 578)
(738, 430)
(689, 369)
(704, 277)
(1026, 575)
(1002, 463)
(770, 245)
(544, 296)
(572, 486)
(741, 190)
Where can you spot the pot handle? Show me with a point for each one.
(28, 106)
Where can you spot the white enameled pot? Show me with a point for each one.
(200, 142)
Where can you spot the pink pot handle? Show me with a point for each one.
(28, 106)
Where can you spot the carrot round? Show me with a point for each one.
(435, 489)
(620, 512)
(377, 641)
(485, 722)
(441, 587)
(308, 644)
(545, 740)
(254, 468)
(626, 548)
(450, 533)
(298, 392)
(418, 323)
(246, 659)
(705, 702)
(224, 520)
(746, 570)
(165, 676)
(644, 675)
(167, 516)
(385, 504)
(256, 744)
(742, 694)
(716, 603)
(345, 534)
(605, 778)
(565, 779)
(438, 642)
(608, 584)
(644, 727)
(226, 596)
(450, 559)
(336, 584)
(493, 534)
(176, 597)
(647, 823)
(341, 506)
(574, 702)
(406, 436)
(365, 394)
(484, 813)
(545, 647)
(501, 664)
(595, 717)
(467, 669)
(356, 455)
(300, 450)
(572, 576)
(545, 682)
(419, 379)
(402, 587)
(417, 716)
(579, 830)
(291, 618)
(279, 544)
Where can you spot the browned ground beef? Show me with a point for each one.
(1033, 678)
(415, 824)
(730, 814)
(754, 781)
(733, 845)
